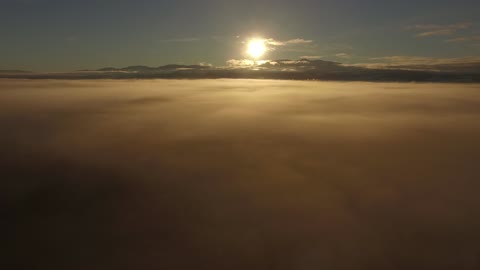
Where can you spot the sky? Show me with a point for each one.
(66, 35)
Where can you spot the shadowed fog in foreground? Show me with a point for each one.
(239, 174)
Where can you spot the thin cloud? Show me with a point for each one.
(430, 30)
(244, 63)
(288, 62)
(296, 41)
(343, 55)
(298, 45)
(463, 39)
(457, 40)
(439, 32)
(299, 41)
(179, 40)
(418, 60)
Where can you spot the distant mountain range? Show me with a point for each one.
(284, 69)
(298, 65)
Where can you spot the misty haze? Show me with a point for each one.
(239, 174)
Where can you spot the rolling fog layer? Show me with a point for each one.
(239, 174)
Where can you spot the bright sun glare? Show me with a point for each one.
(256, 48)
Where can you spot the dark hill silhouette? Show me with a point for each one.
(146, 69)
(283, 69)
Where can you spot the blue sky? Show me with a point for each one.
(61, 35)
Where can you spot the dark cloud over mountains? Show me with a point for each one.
(395, 69)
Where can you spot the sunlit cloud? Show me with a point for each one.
(429, 30)
(243, 63)
(312, 57)
(296, 41)
(72, 38)
(343, 55)
(205, 64)
(299, 41)
(288, 62)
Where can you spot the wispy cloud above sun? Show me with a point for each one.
(295, 41)
(180, 40)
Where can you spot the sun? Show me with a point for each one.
(256, 48)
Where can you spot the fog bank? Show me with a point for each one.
(239, 174)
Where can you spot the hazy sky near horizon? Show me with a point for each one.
(63, 35)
